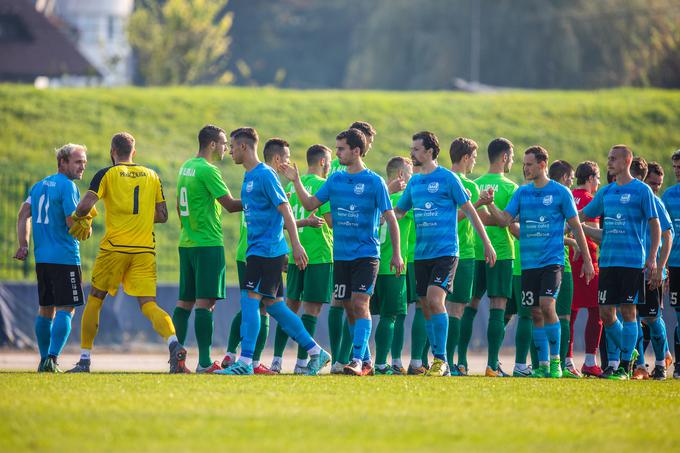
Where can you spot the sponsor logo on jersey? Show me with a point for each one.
(547, 200)
(625, 198)
(359, 188)
(433, 187)
(249, 186)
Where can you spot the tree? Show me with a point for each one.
(181, 42)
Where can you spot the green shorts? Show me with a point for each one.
(463, 282)
(564, 297)
(241, 271)
(494, 281)
(514, 305)
(411, 294)
(389, 297)
(202, 273)
(314, 284)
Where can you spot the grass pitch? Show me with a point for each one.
(157, 412)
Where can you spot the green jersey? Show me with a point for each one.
(242, 246)
(466, 232)
(500, 238)
(318, 242)
(567, 264)
(199, 185)
(335, 166)
(411, 255)
(516, 264)
(405, 224)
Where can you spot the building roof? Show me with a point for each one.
(31, 46)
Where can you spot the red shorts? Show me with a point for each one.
(585, 296)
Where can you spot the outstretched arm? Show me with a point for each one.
(471, 213)
(309, 202)
(86, 203)
(230, 203)
(299, 254)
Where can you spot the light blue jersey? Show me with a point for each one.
(542, 216)
(671, 200)
(626, 211)
(261, 195)
(665, 222)
(52, 200)
(435, 198)
(357, 200)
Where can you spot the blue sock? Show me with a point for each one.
(541, 343)
(362, 332)
(659, 341)
(250, 324)
(614, 341)
(367, 353)
(61, 328)
(43, 327)
(429, 329)
(440, 327)
(552, 332)
(291, 324)
(640, 345)
(629, 335)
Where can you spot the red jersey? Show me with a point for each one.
(582, 197)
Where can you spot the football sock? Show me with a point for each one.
(494, 335)
(572, 321)
(440, 330)
(309, 322)
(565, 338)
(429, 329)
(590, 360)
(552, 332)
(452, 339)
(384, 334)
(533, 351)
(613, 334)
(346, 340)
(593, 330)
(604, 354)
(640, 345)
(301, 362)
(280, 341)
(465, 334)
(292, 325)
(426, 354)
(628, 340)
(235, 333)
(250, 325)
(658, 337)
(90, 321)
(676, 338)
(262, 337)
(85, 354)
(398, 339)
(362, 332)
(523, 339)
(418, 335)
(43, 328)
(203, 328)
(335, 330)
(61, 329)
(646, 337)
(160, 320)
(541, 343)
(180, 319)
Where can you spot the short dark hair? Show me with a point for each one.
(585, 170)
(209, 133)
(656, 168)
(497, 148)
(395, 164)
(245, 132)
(365, 127)
(540, 153)
(639, 168)
(274, 147)
(676, 155)
(123, 143)
(355, 139)
(429, 140)
(462, 147)
(317, 152)
(559, 169)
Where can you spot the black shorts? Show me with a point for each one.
(435, 272)
(264, 275)
(620, 285)
(540, 282)
(652, 302)
(356, 276)
(674, 287)
(59, 285)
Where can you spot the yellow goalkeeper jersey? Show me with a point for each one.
(130, 193)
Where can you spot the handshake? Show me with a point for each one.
(81, 228)
(486, 197)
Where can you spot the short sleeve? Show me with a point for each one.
(160, 196)
(457, 191)
(405, 203)
(69, 198)
(648, 204)
(596, 207)
(274, 190)
(214, 183)
(382, 197)
(98, 183)
(664, 218)
(323, 194)
(568, 204)
(513, 205)
(474, 192)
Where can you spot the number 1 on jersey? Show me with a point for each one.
(135, 201)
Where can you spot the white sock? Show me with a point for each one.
(397, 363)
(660, 363)
(314, 350)
(381, 366)
(277, 360)
(555, 357)
(590, 360)
(614, 364)
(172, 339)
(231, 355)
(85, 354)
(543, 363)
(416, 363)
(301, 362)
(256, 363)
(521, 366)
(246, 360)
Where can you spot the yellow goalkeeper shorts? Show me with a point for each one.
(136, 271)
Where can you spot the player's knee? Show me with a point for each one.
(311, 308)
(46, 312)
(69, 310)
(186, 305)
(207, 304)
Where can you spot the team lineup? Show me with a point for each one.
(427, 237)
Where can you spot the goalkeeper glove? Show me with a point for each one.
(81, 228)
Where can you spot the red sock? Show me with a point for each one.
(593, 330)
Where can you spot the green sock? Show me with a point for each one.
(494, 335)
(335, 330)
(426, 354)
(465, 334)
(418, 335)
(280, 341)
(345, 350)
(384, 334)
(452, 339)
(534, 353)
(564, 340)
(261, 338)
(309, 322)
(398, 338)
(234, 334)
(523, 339)
(180, 318)
(203, 326)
